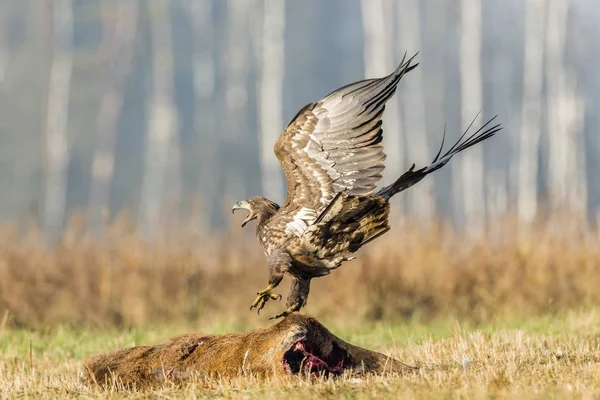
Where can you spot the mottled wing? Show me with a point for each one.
(334, 146)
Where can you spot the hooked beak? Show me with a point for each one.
(243, 205)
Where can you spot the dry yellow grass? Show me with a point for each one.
(491, 317)
(186, 276)
(548, 357)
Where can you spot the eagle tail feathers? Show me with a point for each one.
(405, 65)
(411, 177)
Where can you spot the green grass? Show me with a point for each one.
(547, 356)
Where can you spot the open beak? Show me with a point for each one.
(243, 205)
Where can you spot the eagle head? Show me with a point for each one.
(259, 208)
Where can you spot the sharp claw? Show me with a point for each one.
(282, 314)
(290, 310)
(273, 296)
(262, 297)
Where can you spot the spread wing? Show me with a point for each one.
(334, 145)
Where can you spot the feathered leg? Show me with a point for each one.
(278, 263)
(297, 297)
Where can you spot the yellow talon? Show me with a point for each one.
(290, 310)
(262, 297)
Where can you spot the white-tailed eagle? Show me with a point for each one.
(332, 157)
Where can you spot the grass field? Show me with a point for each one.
(549, 356)
(506, 315)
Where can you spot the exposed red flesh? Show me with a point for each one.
(301, 357)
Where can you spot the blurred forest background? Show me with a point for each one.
(130, 127)
(170, 109)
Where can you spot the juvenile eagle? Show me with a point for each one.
(332, 157)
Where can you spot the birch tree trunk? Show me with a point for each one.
(271, 95)
(502, 69)
(470, 176)
(4, 56)
(440, 86)
(421, 197)
(496, 185)
(204, 76)
(57, 116)
(162, 123)
(380, 61)
(118, 45)
(566, 168)
(237, 60)
(531, 114)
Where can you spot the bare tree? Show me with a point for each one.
(566, 164)
(271, 93)
(470, 172)
(237, 62)
(421, 199)
(57, 115)
(531, 114)
(499, 65)
(117, 46)
(162, 124)
(439, 83)
(495, 182)
(204, 77)
(4, 56)
(379, 56)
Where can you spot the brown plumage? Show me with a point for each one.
(332, 157)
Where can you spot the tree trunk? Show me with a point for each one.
(57, 116)
(421, 197)
(500, 63)
(237, 59)
(470, 177)
(4, 54)
(162, 124)
(271, 96)
(566, 164)
(440, 87)
(204, 77)
(380, 60)
(531, 113)
(118, 46)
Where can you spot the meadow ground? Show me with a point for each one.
(552, 356)
(508, 314)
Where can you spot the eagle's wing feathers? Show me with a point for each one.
(334, 146)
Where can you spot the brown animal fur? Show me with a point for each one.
(269, 352)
